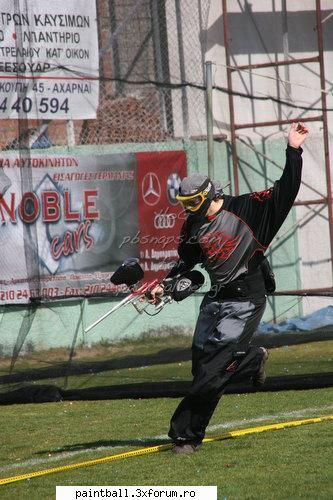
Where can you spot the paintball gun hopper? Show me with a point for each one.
(129, 273)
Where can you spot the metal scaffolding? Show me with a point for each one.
(235, 125)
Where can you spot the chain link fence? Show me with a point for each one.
(151, 80)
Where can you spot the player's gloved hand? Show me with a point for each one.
(154, 295)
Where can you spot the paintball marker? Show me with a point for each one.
(130, 273)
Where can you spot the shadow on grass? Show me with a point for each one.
(172, 355)
(71, 368)
(21, 386)
(146, 390)
(144, 442)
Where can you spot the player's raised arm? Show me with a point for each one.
(297, 134)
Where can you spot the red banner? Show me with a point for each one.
(160, 215)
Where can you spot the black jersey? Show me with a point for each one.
(232, 241)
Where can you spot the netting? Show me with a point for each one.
(151, 100)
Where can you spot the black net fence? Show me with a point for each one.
(102, 111)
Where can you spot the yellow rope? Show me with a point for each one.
(163, 447)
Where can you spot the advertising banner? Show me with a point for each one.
(49, 62)
(67, 222)
(160, 215)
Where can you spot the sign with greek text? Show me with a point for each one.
(68, 221)
(49, 63)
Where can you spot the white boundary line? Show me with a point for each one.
(289, 414)
(226, 425)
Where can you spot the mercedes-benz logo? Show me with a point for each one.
(151, 189)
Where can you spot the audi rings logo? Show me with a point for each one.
(164, 221)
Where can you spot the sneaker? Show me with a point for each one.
(185, 448)
(259, 378)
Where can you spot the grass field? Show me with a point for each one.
(95, 366)
(282, 464)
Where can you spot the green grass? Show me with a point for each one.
(283, 464)
(315, 357)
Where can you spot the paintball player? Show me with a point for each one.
(228, 236)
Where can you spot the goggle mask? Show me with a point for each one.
(193, 203)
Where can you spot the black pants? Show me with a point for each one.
(220, 353)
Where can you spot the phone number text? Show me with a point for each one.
(54, 292)
(27, 105)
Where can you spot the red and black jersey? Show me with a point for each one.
(232, 242)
